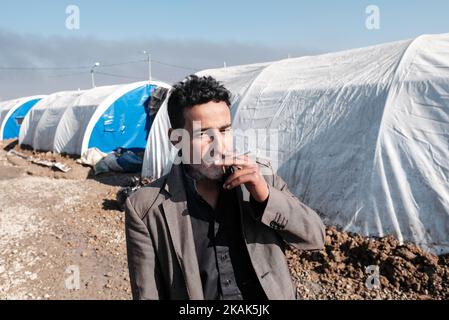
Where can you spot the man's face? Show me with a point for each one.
(209, 128)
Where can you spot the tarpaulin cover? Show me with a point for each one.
(39, 127)
(104, 117)
(12, 113)
(363, 135)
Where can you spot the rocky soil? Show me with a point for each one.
(57, 228)
(340, 271)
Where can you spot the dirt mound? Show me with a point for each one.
(77, 171)
(79, 223)
(339, 272)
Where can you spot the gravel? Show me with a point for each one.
(56, 228)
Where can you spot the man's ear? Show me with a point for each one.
(174, 138)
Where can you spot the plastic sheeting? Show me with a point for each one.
(363, 135)
(159, 151)
(104, 117)
(123, 122)
(12, 113)
(77, 115)
(39, 127)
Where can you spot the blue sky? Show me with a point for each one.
(186, 36)
(319, 25)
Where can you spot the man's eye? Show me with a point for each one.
(206, 136)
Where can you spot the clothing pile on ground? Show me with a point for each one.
(121, 160)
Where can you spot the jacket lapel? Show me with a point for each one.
(181, 233)
(256, 252)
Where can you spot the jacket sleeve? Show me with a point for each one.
(144, 271)
(296, 223)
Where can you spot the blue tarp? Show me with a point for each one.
(13, 123)
(125, 123)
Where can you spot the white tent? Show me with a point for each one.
(104, 117)
(12, 113)
(363, 135)
(159, 152)
(39, 126)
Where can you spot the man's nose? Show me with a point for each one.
(220, 144)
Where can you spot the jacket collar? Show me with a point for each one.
(181, 233)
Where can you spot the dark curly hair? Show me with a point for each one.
(193, 91)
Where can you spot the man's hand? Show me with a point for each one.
(247, 173)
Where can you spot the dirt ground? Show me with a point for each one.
(340, 271)
(55, 226)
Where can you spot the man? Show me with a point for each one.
(217, 225)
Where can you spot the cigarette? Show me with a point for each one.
(236, 156)
(240, 154)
